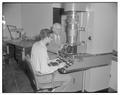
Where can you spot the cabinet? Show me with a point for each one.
(113, 79)
(97, 78)
(18, 50)
(77, 81)
(11, 50)
(21, 52)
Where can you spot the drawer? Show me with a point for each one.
(18, 53)
(18, 56)
(21, 52)
(11, 50)
(18, 48)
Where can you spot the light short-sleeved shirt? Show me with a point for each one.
(40, 59)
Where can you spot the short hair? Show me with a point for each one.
(44, 33)
(56, 26)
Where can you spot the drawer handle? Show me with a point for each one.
(73, 80)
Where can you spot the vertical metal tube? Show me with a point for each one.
(72, 28)
(73, 22)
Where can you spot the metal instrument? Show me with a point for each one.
(72, 29)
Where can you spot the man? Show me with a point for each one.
(40, 61)
(59, 38)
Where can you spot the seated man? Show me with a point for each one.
(40, 61)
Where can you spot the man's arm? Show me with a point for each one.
(40, 61)
(45, 68)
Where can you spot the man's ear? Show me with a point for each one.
(27, 58)
(46, 38)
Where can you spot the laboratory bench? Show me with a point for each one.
(18, 49)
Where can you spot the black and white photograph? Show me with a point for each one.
(59, 47)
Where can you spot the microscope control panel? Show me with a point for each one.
(68, 61)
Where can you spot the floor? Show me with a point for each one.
(14, 80)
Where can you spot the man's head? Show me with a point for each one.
(56, 28)
(45, 35)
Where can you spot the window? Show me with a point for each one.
(57, 12)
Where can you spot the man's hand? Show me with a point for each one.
(53, 60)
(62, 64)
(62, 45)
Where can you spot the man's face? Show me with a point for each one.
(57, 29)
(52, 36)
(48, 40)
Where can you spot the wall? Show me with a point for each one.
(115, 46)
(104, 27)
(32, 17)
(36, 16)
(12, 13)
(56, 5)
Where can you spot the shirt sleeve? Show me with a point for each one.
(40, 59)
(35, 60)
(44, 60)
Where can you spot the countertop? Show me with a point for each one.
(21, 43)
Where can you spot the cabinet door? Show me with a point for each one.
(18, 53)
(21, 52)
(11, 50)
(97, 78)
(77, 82)
(113, 79)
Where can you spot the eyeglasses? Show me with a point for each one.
(50, 38)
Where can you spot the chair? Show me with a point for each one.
(39, 85)
(14, 34)
(5, 56)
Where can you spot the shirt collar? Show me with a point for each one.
(43, 45)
